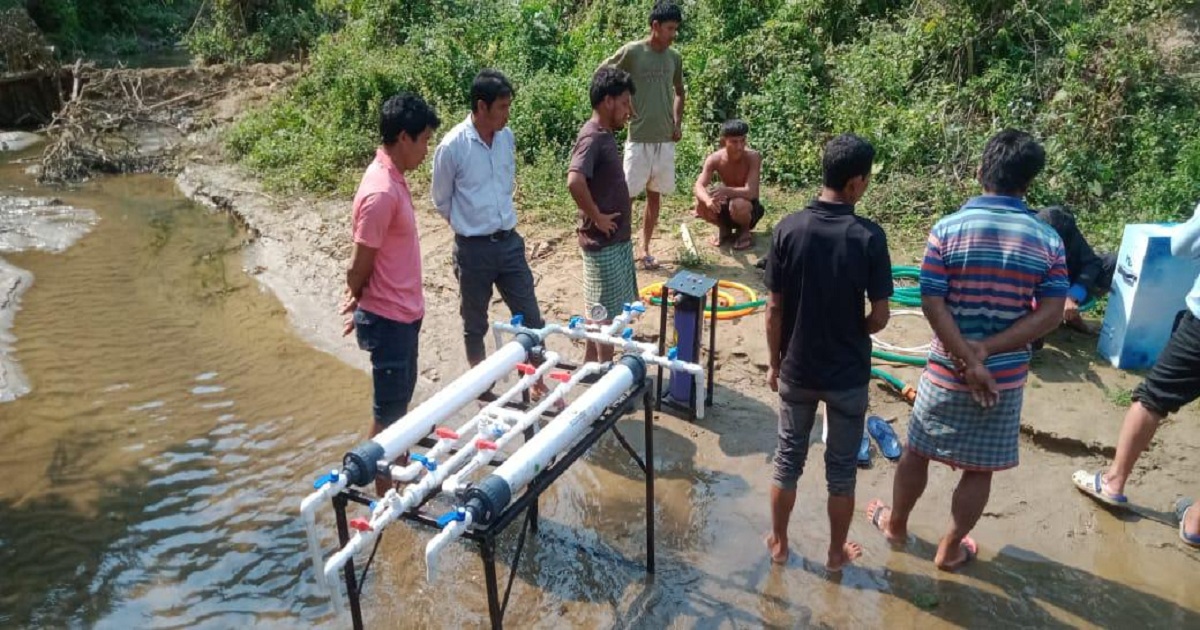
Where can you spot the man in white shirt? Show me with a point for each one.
(1172, 383)
(474, 171)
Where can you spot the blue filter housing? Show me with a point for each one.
(687, 318)
(1148, 292)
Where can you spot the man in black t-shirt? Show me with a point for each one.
(824, 263)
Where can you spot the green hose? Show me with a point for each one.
(911, 296)
(887, 378)
(892, 357)
(906, 296)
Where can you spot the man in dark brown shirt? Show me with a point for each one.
(596, 179)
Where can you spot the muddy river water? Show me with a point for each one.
(152, 475)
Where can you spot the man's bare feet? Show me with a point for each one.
(839, 558)
(777, 548)
(720, 237)
(880, 516)
(965, 552)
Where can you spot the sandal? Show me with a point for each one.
(1093, 486)
(1181, 509)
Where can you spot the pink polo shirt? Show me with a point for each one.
(384, 220)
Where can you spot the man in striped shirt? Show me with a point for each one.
(984, 267)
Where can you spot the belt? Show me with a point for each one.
(494, 237)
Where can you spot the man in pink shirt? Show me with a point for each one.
(383, 285)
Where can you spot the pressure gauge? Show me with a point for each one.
(598, 313)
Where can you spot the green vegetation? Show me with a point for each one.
(108, 27)
(211, 30)
(926, 81)
(1110, 86)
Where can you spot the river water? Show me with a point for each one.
(153, 474)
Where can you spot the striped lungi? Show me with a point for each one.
(609, 278)
(948, 426)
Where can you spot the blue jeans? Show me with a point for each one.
(393, 348)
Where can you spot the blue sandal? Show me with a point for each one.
(1181, 508)
(864, 453)
(889, 444)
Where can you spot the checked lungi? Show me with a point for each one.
(948, 426)
(609, 278)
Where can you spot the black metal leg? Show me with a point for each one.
(662, 346)
(712, 348)
(699, 336)
(649, 420)
(533, 507)
(488, 550)
(343, 530)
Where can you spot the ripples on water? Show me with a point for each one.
(151, 475)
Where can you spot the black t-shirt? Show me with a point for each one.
(597, 158)
(823, 261)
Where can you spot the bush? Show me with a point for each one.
(928, 82)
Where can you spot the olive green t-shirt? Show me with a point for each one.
(656, 75)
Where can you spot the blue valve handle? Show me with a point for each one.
(627, 334)
(325, 479)
(518, 319)
(673, 353)
(575, 322)
(639, 308)
(429, 464)
(450, 517)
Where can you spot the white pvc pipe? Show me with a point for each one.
(535, 455)
(443, 538)
(524, 421)
(308, 512)
(420, 422)
(394, 505)
(413, 469)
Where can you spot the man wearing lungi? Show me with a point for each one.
(984, 265)
(596, 180)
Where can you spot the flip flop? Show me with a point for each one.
(864, 453)
(889, 444)
(1181, 508)
(649, 263)
(971, 549)
(1093, 486)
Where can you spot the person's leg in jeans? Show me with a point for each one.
(847, 414)
(1172, 383)
(476, 269)
(394, 352)
(797, 412)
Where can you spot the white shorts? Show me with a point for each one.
(650, 166)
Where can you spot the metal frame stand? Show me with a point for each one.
(696, 286)
(526, 504)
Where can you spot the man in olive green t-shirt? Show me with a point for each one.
(657, 72)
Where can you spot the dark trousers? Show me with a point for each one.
(481, 263)
(393, 346)
(1174, 381)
